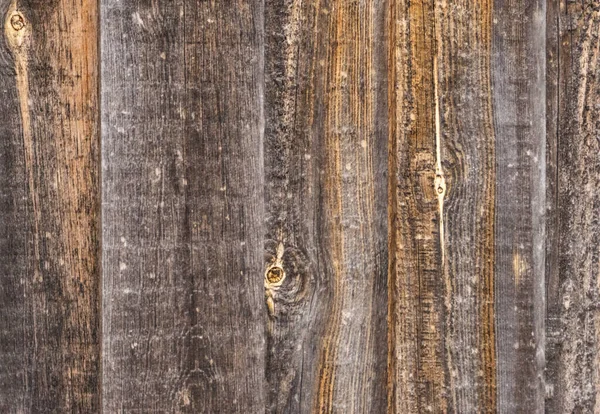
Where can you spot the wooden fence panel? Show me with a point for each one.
(183, 316)
(327, 206)
(49, 219)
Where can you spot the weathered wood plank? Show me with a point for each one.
(519, 107)
(49, 220)
(326, 194)
(442, 344)
(552, 217)
(573, 374)
(417, 377)
(183, 206)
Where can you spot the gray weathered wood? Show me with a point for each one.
(307, 206)
(182, 98)
(519, 107)
(573, 319)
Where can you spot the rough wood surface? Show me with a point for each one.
(519, 107)
(442, 343)
(417, 362)
(49, 219)
(325, 165)
(328, 206)
(573, 356)
(182, 99)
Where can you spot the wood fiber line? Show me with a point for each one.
(442, 342)
(326, 194)
(49, 307)
(519, 118)
(183, 206)
(573, 318)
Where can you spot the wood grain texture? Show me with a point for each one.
(49, 307)
(518, 79)
(573, 357)
(183, 208)
(329, 206)
(325, 166)
(418, 368)
(442, 343)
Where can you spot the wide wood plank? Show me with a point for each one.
(573, 320)
(49, 220)
(182, 119)
(325, 166)
(442, 201)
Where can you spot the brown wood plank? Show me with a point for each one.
(49, 219)
(518, 79)
(573, 357)
(183, 208)
(417, 377)
(442, 344)
(326, 195)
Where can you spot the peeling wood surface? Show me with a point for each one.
(328, 206)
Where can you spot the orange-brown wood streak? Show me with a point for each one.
(55, 53)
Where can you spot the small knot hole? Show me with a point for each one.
(17, 22)
(275, 274)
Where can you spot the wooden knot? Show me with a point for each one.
(17, 22)
(440, 185)
(275, 274)
(17, 30)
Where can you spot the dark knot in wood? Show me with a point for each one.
(275, 274)
(17, 22)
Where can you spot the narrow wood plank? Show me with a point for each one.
(573, 379)
(518, 78)
(49, 220)
(326, 194)
(183, 206)
(553, 47)
(442, 344)
(418, 377)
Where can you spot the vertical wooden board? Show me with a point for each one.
(326, 195)
(573, 290)
(442, 344)
(553, 47)
(519, 105)
(417, 377)
(49, 220)
(467, 202)
(182, 119)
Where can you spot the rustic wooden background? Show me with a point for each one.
(294, 206)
